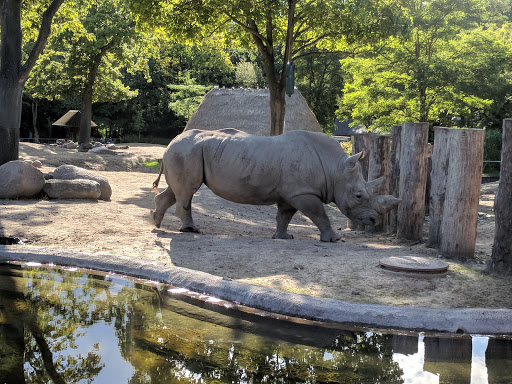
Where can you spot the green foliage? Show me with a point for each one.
(248, 75)
(492, 148)
(448, 67)
(320, 80)
(186, 97)
(64, 69)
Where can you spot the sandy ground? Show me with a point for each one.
(236, 239)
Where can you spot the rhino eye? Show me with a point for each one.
(359, 194)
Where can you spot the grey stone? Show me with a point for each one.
(103, 150)
(72, 189)
(20, 179)
(71, 172)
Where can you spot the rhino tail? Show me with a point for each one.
(157, 181)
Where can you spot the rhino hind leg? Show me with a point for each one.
(285, 213)
(313, 208)
(163, 201)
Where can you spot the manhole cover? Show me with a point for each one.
(414, 264)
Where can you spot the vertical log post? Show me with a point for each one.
(501, 257)
(439, 178)
(379, 164)
(360, 142)
(413, 180)
(457, 232)
(394, 184)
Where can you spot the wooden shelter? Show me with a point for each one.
(71, 122)
(249, 110)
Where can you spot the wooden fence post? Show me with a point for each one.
(501, 257)
(413, 179)
(439, 178)
(394, 184)
(458, 175)
(379, 164)
(360, 142)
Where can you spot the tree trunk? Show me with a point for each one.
(10, 119)
(34, 121)
(394, 185)
(277, 110)
(413, 180)
(11, 87)
(462, 193)
(501, 258)
(84, 136)
(379, 161)
(13, 75)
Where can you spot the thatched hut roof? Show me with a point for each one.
(71, 119)
(249, 111)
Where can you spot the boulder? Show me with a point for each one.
(20, 179)
(72, 189)
(71, 172)
(103, 150)
(35, 163)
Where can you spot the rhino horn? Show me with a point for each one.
(352, 160)
(375, 185)
(384, 203)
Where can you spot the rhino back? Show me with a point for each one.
(263, 170)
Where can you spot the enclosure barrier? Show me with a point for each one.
(501, 257)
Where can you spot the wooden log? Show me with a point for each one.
(413, 179)
(360, 142)
(379, 164)
(462, 194)
(501, 257)
(394, 183)
(439, 177)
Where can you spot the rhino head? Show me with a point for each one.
(358, 199)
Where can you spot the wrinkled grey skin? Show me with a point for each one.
(297, 170)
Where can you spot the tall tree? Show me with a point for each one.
(282, 30)
(450, 66)
(88, 59)
(13, 72)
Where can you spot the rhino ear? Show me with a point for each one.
(374, 185)
(351, 161)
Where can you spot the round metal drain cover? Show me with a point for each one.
(414, 265)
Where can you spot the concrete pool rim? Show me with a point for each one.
(450, 320)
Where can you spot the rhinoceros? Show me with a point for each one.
(298, 171)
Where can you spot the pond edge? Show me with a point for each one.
(452, 320)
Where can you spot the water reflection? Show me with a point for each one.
(75, 327)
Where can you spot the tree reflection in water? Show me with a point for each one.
(47, 314)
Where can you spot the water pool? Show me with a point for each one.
(69, 325)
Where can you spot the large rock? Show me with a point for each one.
(72, 189)
(71, 172)
(103, 150)
(20, 179)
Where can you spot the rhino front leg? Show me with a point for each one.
(163, 201)
(285, 213)
(313, 208)
(184, 212)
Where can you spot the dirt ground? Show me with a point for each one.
(236, 239)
